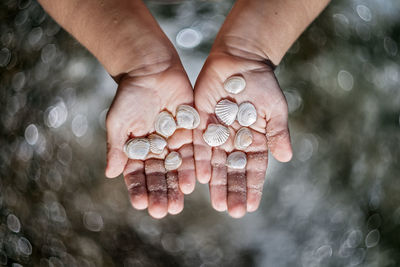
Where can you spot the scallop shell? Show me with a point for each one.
(165, 124)
(243, 138)
(235, 84)
(226, 111)
(157, 143)
(187, 117)
(172, 161)
(247, 114)
(236, 160)
(137, 148)
(216, 134)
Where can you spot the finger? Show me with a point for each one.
(218, 182)
(278, 136)
(256, 169)
(202, 156)
(175, 196)
(186, 171)
(236, 192)
(116, 158)
(135, 181)
(156, 188)
(180, 138)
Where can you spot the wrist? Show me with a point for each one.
(267, 28)
(132, 41)
(122, 34)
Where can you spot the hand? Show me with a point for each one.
(140, 97)
(240, 190)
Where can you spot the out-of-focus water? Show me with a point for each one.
(337, 203)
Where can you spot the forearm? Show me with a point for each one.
(121, 34)
(266, 28)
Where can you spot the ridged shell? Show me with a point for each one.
(236, 160)
(247, 114)
(187, 117)
(157, 143)
(137, 148)
(165, 124)
(216, 134)
(172, 161)
(235, 84)
(243, 138)
(226, 111)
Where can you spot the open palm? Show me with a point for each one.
(139, 99)
(240, 190)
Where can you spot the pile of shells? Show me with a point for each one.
(165, 125)
(227, 113)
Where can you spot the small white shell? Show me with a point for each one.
(137, 148)
(165, 124)
(216, 134)
(157, 143)
(247, 114)
(172, 161)
(243, 138)
(236, 160)
(235, 84)
(226, 111)
(187, 117)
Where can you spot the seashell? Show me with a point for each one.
(216, 134)
(247, 114)
(157, 143)
(172, 161)
(187, 117)
(235, 84)
(243, 138)
(137, 148)
(165, 124)
(236, 160)
(226, 111)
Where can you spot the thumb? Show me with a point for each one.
(278, 136)
(116, 158)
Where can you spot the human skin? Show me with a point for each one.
(254, 37)
(129, 43)
(151, 78)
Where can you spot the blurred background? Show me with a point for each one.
(337, 203)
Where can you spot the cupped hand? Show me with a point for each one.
(140, 97)
(240, 190)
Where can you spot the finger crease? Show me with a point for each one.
(157, 188)
(236, 188)
(134, 185)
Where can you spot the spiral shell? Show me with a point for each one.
(243, 138)
(226, 111)
(235, 84)
(172, 161)
(236, 160)
(165, 124)
(187, 117)
(216, 134)
(247, 114)
(137, 148)
(157, 143)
